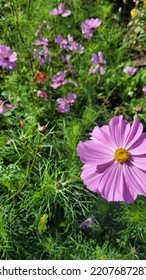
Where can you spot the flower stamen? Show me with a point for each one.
(121, 155)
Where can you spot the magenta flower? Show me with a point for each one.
(65, 58)
(60, 11)
(7, 58)
(59, 79)
(61, 42)
(74, 46)
(98, 60)
(43, 94)
(63, 109)
(130, 70)
(88, 27)
(65, 103)
(115, 160)
(42, 128)
(3, 106)
(144, 89)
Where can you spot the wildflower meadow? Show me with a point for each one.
(72, 130)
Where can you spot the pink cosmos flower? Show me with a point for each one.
(60, 11)
(115, 160)
(59, 79)
(42, 128)
(43, 94)
(65, 58)
(88, 27)
(61, 42)
(98, 60)
(130, 70)
(65, 103)
(42, 55)
(7, 58)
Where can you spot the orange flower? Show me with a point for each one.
(40, 77)
(144, 1)
(144, 27)
(133, 12)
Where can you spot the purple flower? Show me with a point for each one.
(42, 55)
(42, 41)
(60, 11)
(63, 109)
(115, 160)
(130, 70)
(42, 94)
(88, 27)
(87, 223)
(65, 103)
(65, 58)
(98, 60)
(61, 42)
(59, 79)
(74, 46)
(144, 89)
(3, 106)
(7, 58)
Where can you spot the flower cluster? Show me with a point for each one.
(65, 103)
(7, 58)
(42, 42)
(69, 45)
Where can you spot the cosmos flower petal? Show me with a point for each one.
(109, 185)
(54, 12)
(135, 178)
(60, 8)
(102, 135)
(139, 162)
(119, 130)
(90, 177)
(138, 148)
(135, 133)
(66, 13)
(102, 70)
(89, 151)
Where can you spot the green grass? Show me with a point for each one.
(42, 197)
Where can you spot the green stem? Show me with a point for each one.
(29, 172)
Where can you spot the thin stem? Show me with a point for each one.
(29, 171)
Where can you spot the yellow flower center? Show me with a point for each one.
(5, 56)
(121, 155)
